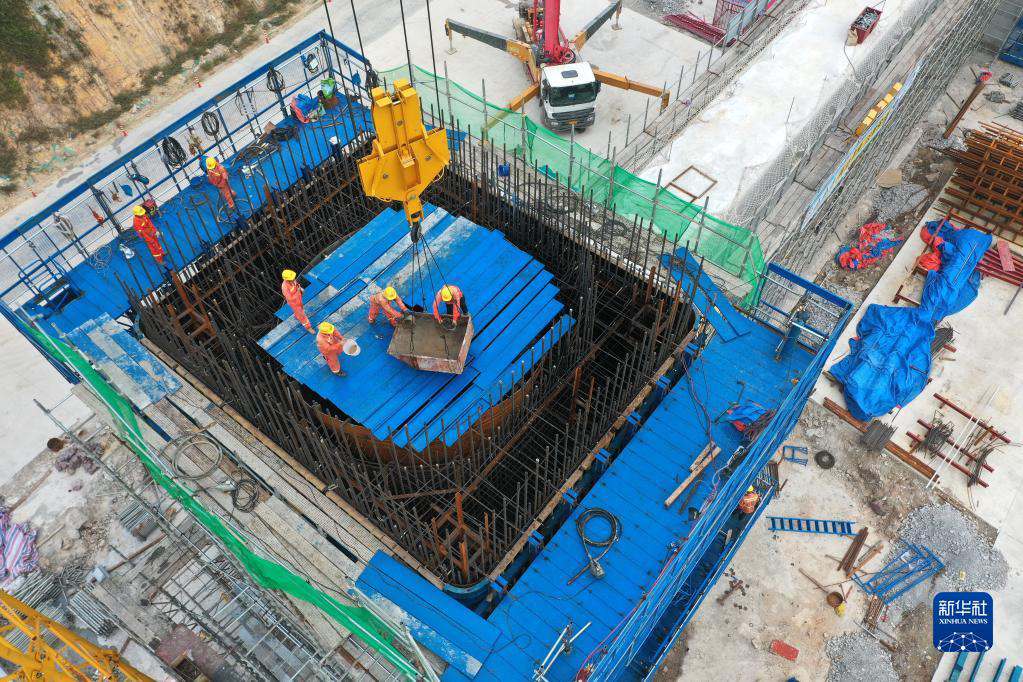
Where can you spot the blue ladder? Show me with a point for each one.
(910, 567)
(789, 454)
(821, 526)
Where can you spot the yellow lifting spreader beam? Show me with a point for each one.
(43, 662)
(406, 157)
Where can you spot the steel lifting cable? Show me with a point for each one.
(174, 449)
(173, 152)
(210, 124)
(274, 80)
(614, 532)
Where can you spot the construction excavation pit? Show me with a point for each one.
(459, 464)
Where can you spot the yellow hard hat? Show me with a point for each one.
(139, 210)
(445, 294)
(288, 275)
(326, 328)
(390, 294)
(211, 163)
(751, 490)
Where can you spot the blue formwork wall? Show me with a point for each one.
(666, 557)
(67, 264)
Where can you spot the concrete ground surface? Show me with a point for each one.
(642, 49)
(735, 139)
(725, 642)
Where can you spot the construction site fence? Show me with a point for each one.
(732, 249)
(960, 29)
(620, 650)
(40, 251)
(762, 185)
(268, 574)
(708, 75)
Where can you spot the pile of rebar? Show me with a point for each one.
(986, 190)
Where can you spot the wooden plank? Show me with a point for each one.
(693, 476)
(1005, 256)
(891, 447)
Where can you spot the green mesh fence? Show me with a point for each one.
(268, 574)
(734, 249)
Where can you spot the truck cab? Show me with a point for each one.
(567, 95)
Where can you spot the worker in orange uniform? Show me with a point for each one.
(331, 344)
(748, 503)
(145, 228)
(292, 292)
(218, 177)
(382, 301)
(452, 297)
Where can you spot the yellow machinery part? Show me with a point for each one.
(617, 81)
(406, 157)
(41, 662)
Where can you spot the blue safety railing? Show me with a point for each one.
(623, 649)
(37, 254)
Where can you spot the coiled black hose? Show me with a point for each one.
(210, 123)
(274, 80)
(173, 152)
(615, 531)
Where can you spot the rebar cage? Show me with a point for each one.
(457, 509)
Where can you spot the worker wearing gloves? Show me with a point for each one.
(292, 292)
(218, 177)
(331, 344)
(147, 231)
(381, 301)
(452, 297)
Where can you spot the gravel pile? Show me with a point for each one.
(856, 657)
(971, 564)
(893, 202)
(935, 140)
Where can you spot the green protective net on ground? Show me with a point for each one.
(734, 249)
(268, 574)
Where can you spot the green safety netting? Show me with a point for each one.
(268, 574)
(734, 249)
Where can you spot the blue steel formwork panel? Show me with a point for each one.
(513, 304)
(665, 561)
(82, 260)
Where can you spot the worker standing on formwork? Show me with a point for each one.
(331, 345)
(218, 177)
(292, 292)
(749, 502)
(452, 297)
(381, 301)
(147, 231)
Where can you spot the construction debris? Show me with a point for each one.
(73, 456)
(856, 657)
(971, 563)
(893, 202)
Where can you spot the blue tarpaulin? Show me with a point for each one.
(954, 285)
(890, 356)
(888, 361)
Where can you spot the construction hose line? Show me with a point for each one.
(173, 152)
(174, 449)
(245, 494)
(274, 80)
(614, 532)
(210, 123)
